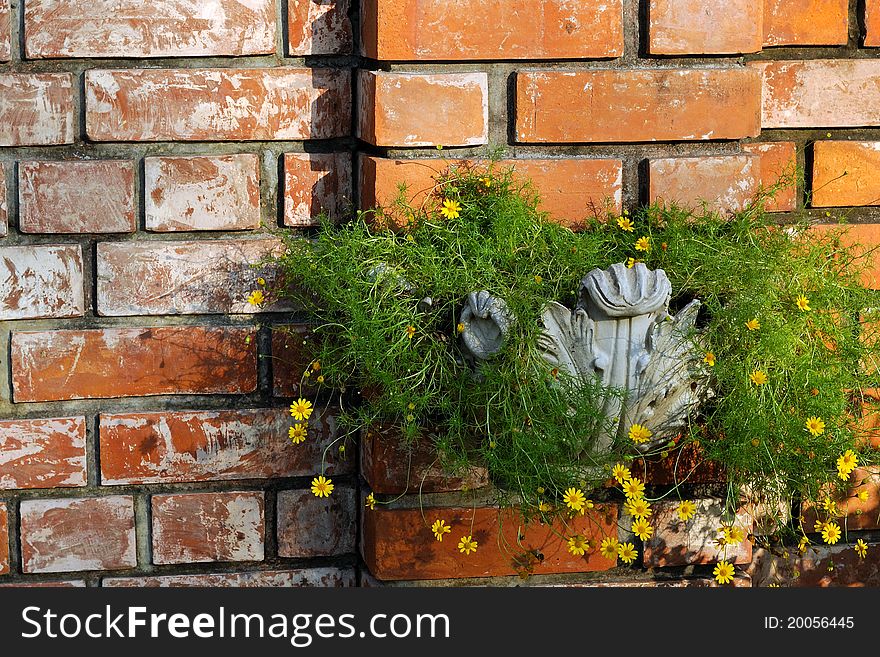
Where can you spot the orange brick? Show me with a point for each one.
(872, 23)
(806, 22)
(292, 354)
(316, 183)
(318, 27)
(423, 109)
(476, 29)
(686, 465)
(821, 566)
(282, 103)
(47, 453)
(199, 527)
(36, 109)
(571, 189)
(778, 160)
(853, 513)
(160, 28)
(637, 105)
(846, 173)
(186, 446)
(119, 362)
(820, 93)
(863, 238)
(391, 468)
(696, 27)
(90, 196)
(725, 183)
(398, 543)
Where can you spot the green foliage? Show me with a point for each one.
(364, 282)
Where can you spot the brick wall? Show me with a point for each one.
(146, 149)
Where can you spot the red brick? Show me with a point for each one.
(5, 33)
(314, 577)
(476, 29)
(182, 278)
(36, 109)
(309, 526)
(423, 109)
(4, 208)
(398, 543)
(217, 104)
(863, 240)
(726, 183)
(568, 581)
(208, 527)
(697, 27)
(820, 93)
(77, 197)
(292, 353)
(857, 514)
(390, 467)
(184, 446)
(43, 453)
(122, 362)
(77, 534)
(70, 583)
(778, 160)
(637, 105)
(806, 22)
(163, 28)
(845, 173)
(318, 27)
(686, 465)
(41, 281)
(821, 566)
(315, 183)
(4, 539)
(872, 23)
(679, 543)
(571, 189)
(202, 193)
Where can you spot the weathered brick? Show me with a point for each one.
(315, 577)
(4, 208)
(91, 196)
(571, 189)
(292, 354)
(41, 281)
(820, 93)
(726, 183)
(318, 27)
(423, 109)
(872, 23)
(805, 22)
(5, 33)
(183, 446)
(851, 511)
(309, 526)
(475, 29)
(77, 534)
(217, 104)
(197, 527)
(4, 539)
(821, 566)
(163, 28)
(566, 581)
(863, 240)
(36, 109)
(778, 162)
(398, 543)
(202, 193)
(390, 467)
(182, 278)
(315, 183)
(637, 105)
(69, 583)
(47, 453)
(679, 543)
(845, 173)
(121, 362)
(698, 27)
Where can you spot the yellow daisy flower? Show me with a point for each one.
(297, 433)
(803, 303)
(574, 499)
(709, 359)
(861, 548)
(626, 552)
(620, 472)
(578, 545)
(625, 223)
(753, 324)
(831, 533)
(301, 409)
(410, 331)
(723, 572)
(321, 486)
(815, 425)
(370, 502)
(608, 549)
(633, 487)
(256, 298)
(638, 508)
(686, 510)
(758, 377)
(643, 244)
(440, 528)
(642, 529)
(451, 209)
(639, 434)
(467, 545)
